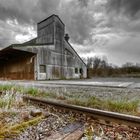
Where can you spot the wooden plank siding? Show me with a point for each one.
(20, 67)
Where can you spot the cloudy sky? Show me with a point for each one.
(108, 28)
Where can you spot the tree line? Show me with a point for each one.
(100, 67)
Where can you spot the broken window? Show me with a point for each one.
(42, 68)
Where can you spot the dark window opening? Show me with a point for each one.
(42, 68)
(81, 71)
(76, 70)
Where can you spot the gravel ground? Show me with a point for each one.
(56, 121)
(57, 86)
(97, 129)
(101, 92)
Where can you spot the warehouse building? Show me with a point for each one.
(48, 56)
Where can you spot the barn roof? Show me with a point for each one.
(10, 52)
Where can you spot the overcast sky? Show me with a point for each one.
(108, 28)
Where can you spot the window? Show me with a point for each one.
(42, 68)
(76, 70)
(81, 71)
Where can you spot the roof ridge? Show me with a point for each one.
(50, 17)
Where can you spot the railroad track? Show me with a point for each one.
(95, 113)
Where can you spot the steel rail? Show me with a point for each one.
(96, 113)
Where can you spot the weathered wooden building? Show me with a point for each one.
(49, 56)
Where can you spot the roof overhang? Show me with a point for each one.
(12, 53)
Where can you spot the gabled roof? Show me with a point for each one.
(75, 52)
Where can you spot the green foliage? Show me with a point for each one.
(5, 87)
(94, 102)
(122, 106)
(32, 91)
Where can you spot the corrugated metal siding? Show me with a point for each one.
(46, 31)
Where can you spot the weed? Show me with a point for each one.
(6, 100)
(32, 91)
(94, 102)
(89, 133)
(6, 87)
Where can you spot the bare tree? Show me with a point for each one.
(89, 62)
(96, 62)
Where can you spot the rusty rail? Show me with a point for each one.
(96, 113)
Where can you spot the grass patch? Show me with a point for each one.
(5, 87)
(120, 105)
(32, 91)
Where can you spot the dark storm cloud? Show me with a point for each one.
(124, 16)
(26, 11)
(6, 34)
(128, 7)
(79, 20)
(76, 14)
(14, 9)
(84, 3)
(95, 26)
